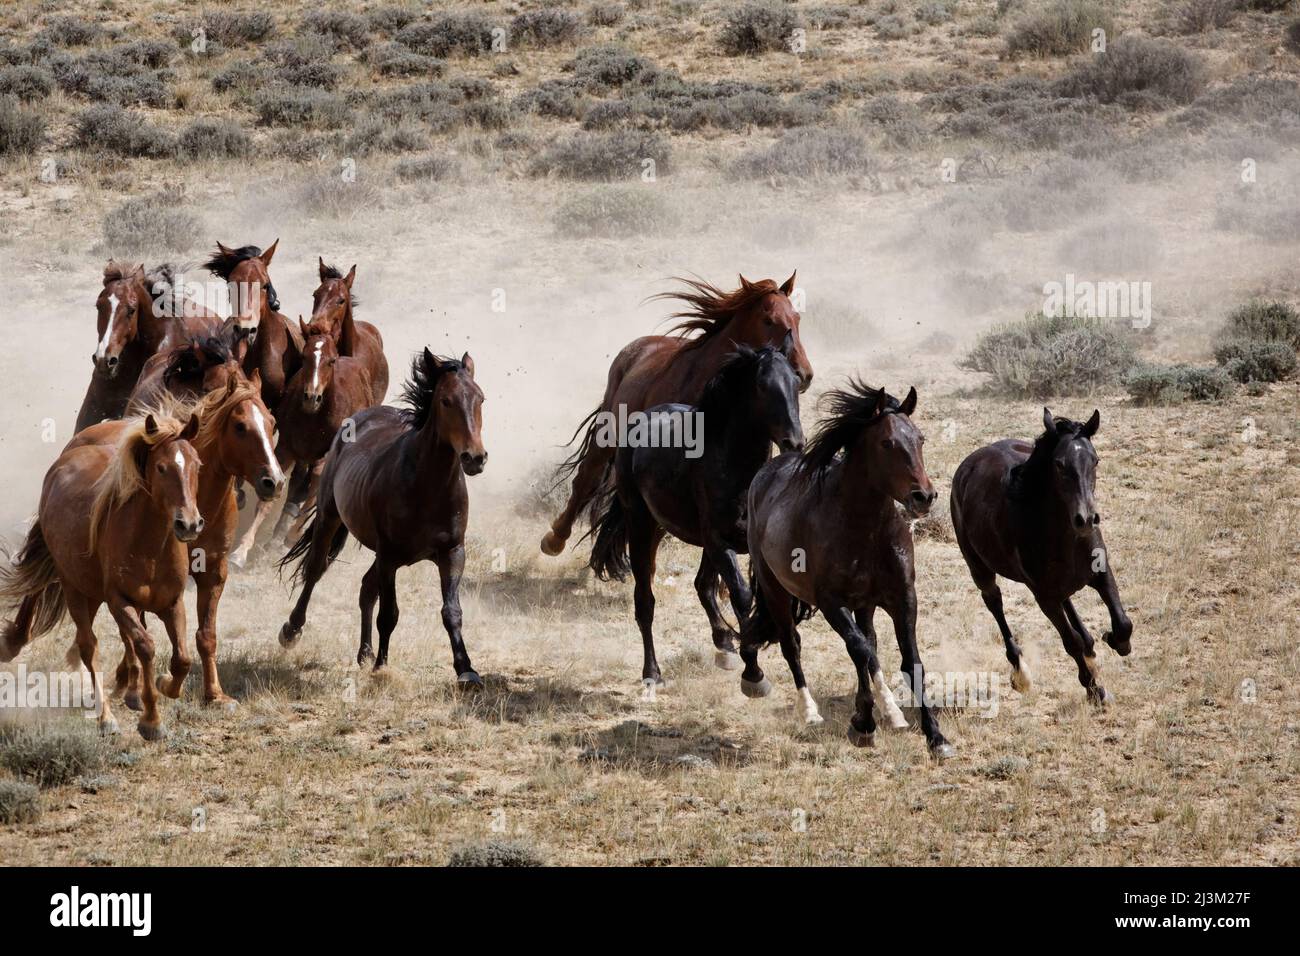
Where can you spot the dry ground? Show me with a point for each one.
(1197, 761)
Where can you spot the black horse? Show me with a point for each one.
(750, 404)
(1027, 512)
(824, 533)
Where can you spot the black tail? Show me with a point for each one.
(609, 550)
(757, 630)
(31, 581)
(566, 469)
(302, 546)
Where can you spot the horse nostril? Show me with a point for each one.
(267, 484)
(201, 525)
(1096, 519)
(111, 361)
(1079, 520)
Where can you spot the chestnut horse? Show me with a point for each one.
(273, 350)
(655, 369)
(234, 443)
(130, 329)
(698, 497)
(399, 487)
(114, 527)
(332, 305)
(824, 533)
(1028, 512)
(327, 390)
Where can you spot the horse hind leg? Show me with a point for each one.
(644, 536)
(370, 586)
(83, 610)
(724, 637)
(987, 582)
(591, 473)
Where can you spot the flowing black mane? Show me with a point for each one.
(426, 370)
(196, 356)
(330, 272)
(852, 409)
(740, 367)
(1024, 477)
(710, 308)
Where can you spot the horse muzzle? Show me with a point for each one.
(473, 464)
(107, 365)
(919, 502)
(187, 529)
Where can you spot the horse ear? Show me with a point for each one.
(191, 428)
(744, 283)
(138, 271)
(267, 256)
(1048, 421)
(787, 287)
(255, 380)
(321, 260)
(150, 425)
(302, 326)
(882, 401)
(223, 249)
(1090, 428)
(350, 277)
(468, 362)
(232, 383)
(909, 404)
(430, 360)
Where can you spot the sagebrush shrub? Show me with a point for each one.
(1134, 64)
(1058, 28)
(621, 154)
(1038, 357)
(112, 129)
(1172, 384)
(758, 27)
(50, 754)
(1256, 360)
(209, 138)
(22, 131)
(159, 224)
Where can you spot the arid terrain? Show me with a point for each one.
(927, 168)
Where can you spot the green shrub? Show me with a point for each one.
(1133, 65)
(22, 131)
(758, 27)
(19, 802)
(51, 754)
(1039, 357)
(1265, 321)
(1058, 28)
(208, 138)
(615, 211)
(1256, 360)
(1172, 384)
(496, 853)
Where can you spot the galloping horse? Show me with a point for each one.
(824, 533)
(114, 527)
(1027, 512)
(234, 443)
(328, 390)
(399, 487)
(273, 351)
(655, 369)
(130, 330)
(750, 404)
(332, 305)
(188, 370)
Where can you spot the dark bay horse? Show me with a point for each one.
(332, 305)
(188, 370)
(234, 443)
(115, 527)
(825, 533)
(1028, 512)
(399, 488)
(130, 329)
(273, 350)
(698, 493)
(656, 369)
(326, 391)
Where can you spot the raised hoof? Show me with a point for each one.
(151, 732)
(132, 701)
(726, 660)
(1123, 649)
(469, 682)
(755, 689)
(289, 635)
(109, 728)
(812, 720)
(860, 739)
(1020, 679)
(552, 544)
(943, 751)
(227, 705)
(238, 560)
(1101, 697)
(365, 656)
(162, 683)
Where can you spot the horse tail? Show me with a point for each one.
(758, 629)
(32, 582)
(801, 610)
(609, 550)
(565, 471)
(301, 547)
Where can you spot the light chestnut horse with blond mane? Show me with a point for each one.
(114, 527)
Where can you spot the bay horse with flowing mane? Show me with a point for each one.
(399, 488)
(1028, 512)
(129, 329)
(272, 350)
(327, 391)
(331, 312)
(188, 370)
(825, 533)
(114, 527)
(656, 369)
(234, 443)
(751, 404)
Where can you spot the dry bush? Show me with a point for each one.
(22, 131)
(228, 27)
(1173, 384)
(620, 154)
(27, 83)
(605, 14)
(71, 31)
(1256, 360)
(393, 59)
(1264, 321)
(550, 98)
(809, 152)
(427, 169)
(328, 196)
(758, 27)
(1115, 246)
(546, 26)
(1039, 357)
(345, 30)
(114, 130)
(51, 754)
(496, 853)
(213, 138)
(392, 18)
(615, 212)
(1201, 16)
(375, 134)
(1058, 28)
(609, 66)
(300, 106)
(467, 33)
(159, 224)
(19, 802)
(111, 76)
(1137, 65)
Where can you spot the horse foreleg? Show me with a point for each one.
(300, 485)
(211, 584)
(904, 619)
(724, 638)
(239, 557)
(133, 632)
(296, 530)
(1121, 628)
(174, 621)
(451, 565)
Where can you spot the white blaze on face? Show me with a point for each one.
(315, 371)
(259, 426)
(108, 329)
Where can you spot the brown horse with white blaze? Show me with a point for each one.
(658, 369)
(331, 312)
(114, 527)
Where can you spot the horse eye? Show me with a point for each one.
(161, 468)
(446, 402)
(888, 443)
(240, 428)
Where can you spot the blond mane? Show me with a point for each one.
(213, 409)
(124, 475)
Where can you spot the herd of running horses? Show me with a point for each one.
(186, 409)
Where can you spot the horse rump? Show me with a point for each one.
(32, 582)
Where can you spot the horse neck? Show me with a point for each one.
(138, 525)
(737, 439)
(863, 506)
(216, 481)
(153, 327)
(347, 343)
(693, 366)
(435, 460)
